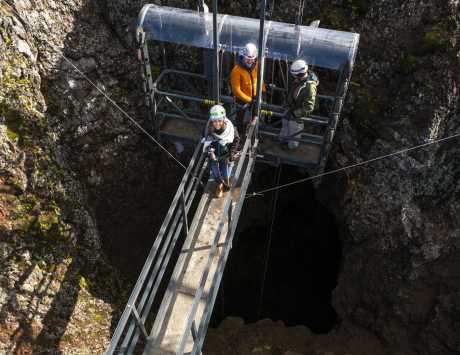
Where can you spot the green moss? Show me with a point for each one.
(12, 135)
(409, 64)
(333, 17)
(17, 128)
(359, 8)
(84, 283)
(34, 219)
(67, 338)
(367, 115)
(436, 38)
(98, 318)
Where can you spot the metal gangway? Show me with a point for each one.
(169, 309)
(201, 246)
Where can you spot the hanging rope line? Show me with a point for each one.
(269, 242)
(270, 10)
(125, 114)
(59, 52)
(299, 18)
(331, 172)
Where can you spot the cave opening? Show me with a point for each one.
(303, 260)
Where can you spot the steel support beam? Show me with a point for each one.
(216, 83)
(261, 68)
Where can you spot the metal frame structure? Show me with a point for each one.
(176, 230)
(165, 103)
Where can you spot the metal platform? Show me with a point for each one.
(305, 155)
(181, 130)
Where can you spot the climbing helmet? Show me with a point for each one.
(217, 113)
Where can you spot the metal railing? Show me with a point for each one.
(132, 323)
(230, 215)
(266, 129)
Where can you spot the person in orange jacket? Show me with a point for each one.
(243, 80)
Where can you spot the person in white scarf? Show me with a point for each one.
(221, 142)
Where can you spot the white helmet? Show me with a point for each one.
(299, 67)
(249, 51)
(217, 113)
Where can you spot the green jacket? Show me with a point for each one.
(302, 96)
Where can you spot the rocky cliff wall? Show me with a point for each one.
(78, 182)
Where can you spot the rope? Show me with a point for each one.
(270, 10)
(269, 242)
(331, 172)
(59, 52)
(299, 18)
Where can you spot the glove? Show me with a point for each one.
(233, 156)
(212, 154)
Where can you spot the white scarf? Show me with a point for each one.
(226, 137)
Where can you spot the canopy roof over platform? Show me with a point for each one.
(319, 46)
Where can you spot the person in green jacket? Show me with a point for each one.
(301, 102)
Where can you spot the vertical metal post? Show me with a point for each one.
(260, 72)
(216, 83)
(139, 322)
(146, 72)
(184, 212)
(194, 333)
(229, 216)
(341, 91)
(299, 17)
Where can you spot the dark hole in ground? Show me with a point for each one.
(303, 262)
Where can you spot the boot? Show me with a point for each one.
(227, 184)
(220, 190)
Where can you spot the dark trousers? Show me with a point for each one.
(220, 170)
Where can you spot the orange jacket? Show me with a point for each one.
(241, 79)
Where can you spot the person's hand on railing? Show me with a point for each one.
(234, 156)
(212, 154)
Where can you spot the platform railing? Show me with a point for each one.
(267, 128)
(132, 323)
(269, 109)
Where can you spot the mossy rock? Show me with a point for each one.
(84, 283)
(367, 115)
(333, 17)
(410, 64)
(41, 221)
(435, 39)
(359, 8)
(436, 36)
